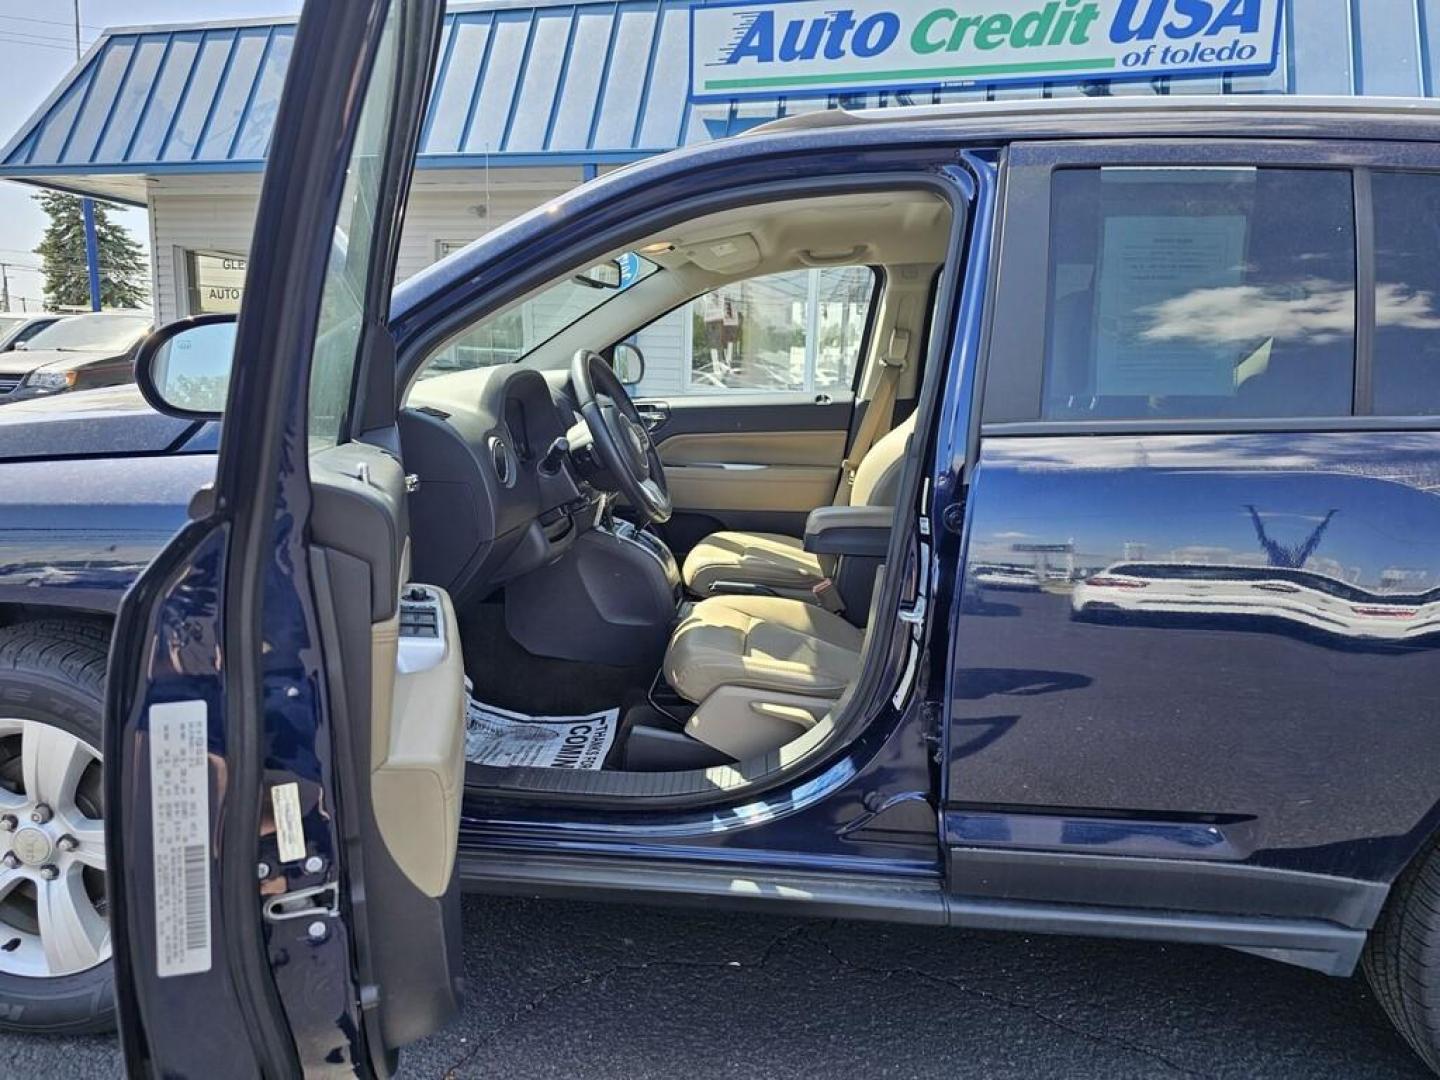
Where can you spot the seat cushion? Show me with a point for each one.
(780, 562)
(765, 642)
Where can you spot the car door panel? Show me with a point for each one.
(759, 462)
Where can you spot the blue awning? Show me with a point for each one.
(542, 82)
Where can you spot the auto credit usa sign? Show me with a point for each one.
(816, 46)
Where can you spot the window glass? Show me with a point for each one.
(1200, 293)
(217, 282)
(342, 299)
(795, 331)
(1407, 285)
(517, 331)
(30, 331)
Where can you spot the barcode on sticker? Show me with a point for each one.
(180, 836)
(197, 893)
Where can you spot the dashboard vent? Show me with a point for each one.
(507, 469)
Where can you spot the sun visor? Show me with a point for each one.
(725, 255)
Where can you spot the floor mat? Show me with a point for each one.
(495, 736)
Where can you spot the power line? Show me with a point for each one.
(36, 44)
(24, 36)
(66, 23)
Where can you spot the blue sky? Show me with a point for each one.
(37, 49)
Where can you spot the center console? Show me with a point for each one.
(611, 598)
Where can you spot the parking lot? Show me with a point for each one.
(579, 990)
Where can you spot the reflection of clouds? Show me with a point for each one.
(1400, 305)
(1317, 311)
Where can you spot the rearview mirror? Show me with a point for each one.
(628, 363)
(183, 368)
(606, 275)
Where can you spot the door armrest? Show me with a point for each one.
(849, 530)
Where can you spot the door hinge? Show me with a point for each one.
(317, 900)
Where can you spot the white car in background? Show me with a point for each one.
(1313, 599)
(18, 327)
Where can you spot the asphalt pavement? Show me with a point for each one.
(589, 990)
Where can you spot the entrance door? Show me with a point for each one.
(282, 825)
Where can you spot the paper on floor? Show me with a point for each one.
(496, 736)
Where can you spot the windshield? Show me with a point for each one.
(101, 331)
(8, 323)
(517, 331)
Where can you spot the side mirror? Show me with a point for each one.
(183, 368)
(628, 363)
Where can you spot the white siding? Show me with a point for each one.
(209, 213)
(663, 343)
(181, 219)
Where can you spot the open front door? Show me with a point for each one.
(282, 729)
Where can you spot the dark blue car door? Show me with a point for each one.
(243, 892)
(1197, 605)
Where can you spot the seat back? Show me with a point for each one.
(877, 479)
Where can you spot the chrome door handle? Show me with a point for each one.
(652, 415)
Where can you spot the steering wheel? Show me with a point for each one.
(621, 442)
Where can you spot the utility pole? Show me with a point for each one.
(87, 210)
(4, 286)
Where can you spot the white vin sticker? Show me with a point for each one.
(289, 823)
(180, 836)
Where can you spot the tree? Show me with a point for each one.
(123, 271)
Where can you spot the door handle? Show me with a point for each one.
(652, 413)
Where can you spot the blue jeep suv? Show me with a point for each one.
(1086, 583)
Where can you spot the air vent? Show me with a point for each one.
(507, 469)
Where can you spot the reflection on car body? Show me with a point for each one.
(1317, 600)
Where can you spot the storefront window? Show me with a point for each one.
(217, 282)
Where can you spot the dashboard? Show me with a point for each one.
(490, 507)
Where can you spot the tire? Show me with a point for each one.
(53, 672)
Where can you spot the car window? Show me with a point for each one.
(8, 324)
(342, 299)
(514, 333)
(1200, 293)
(30, 331)
(797, 331)
(1406, 372)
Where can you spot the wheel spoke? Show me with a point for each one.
(73, 934)
(51, 763)
(90, 833)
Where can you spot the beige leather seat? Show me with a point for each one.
(781, 563)
(761, 669)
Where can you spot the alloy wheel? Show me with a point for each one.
(52, 852)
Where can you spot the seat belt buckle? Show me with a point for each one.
(827, 596)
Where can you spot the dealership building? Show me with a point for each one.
(534, 98)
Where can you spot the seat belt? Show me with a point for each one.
(878, 413)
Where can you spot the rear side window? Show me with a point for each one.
(1200, 292)
(1406, 377)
